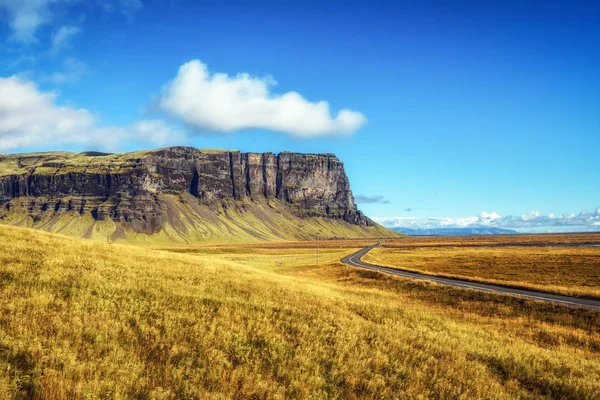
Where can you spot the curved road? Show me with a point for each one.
(355, 261)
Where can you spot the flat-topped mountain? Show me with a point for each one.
(182, 194)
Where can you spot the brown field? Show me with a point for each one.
(552, 238)
(81, 320)
(565, 270)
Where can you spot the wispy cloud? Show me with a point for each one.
(73, 70)
(221, 103)
(26, 17)
(62, 38)
(125, 7)
(533, 219)
(370, 199)
(20, 62)
(31, 117)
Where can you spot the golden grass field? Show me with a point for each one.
(573, 270)
(85, 320)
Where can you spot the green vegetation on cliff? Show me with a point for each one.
(187, 222)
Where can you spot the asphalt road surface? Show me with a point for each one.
(355, 261)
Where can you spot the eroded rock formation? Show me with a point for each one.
(128, 187)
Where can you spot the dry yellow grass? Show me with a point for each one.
(86, 320)
(489, 240)
(565, 270)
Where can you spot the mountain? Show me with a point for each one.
(182, 194)
(455, 231)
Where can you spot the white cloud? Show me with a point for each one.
(532, 219)
(29, 117)
(144, 132)
(489, 217)
(222, 103)
(62, 38)
(32, 118)
(155, 131)
(531, 215)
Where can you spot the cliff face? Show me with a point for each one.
(129, 187)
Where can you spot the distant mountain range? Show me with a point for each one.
(455, 231)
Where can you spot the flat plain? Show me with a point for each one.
(550, 263)
(80, 319)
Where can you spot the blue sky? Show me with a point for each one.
(441, 110)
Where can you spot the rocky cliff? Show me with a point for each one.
(132, 188)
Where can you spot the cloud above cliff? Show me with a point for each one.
(33, 118)
(222, 103)
(532, 219)
(361, 199)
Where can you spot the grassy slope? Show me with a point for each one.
(573, 271)
(85, 320)
(189, 222)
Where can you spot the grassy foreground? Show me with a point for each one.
(572, 271)
(85, 320)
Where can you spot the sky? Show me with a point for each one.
(445, 113)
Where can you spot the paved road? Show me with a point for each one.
(355, 261)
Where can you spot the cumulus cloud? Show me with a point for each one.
(370, 199)
(532, 219)
(222, 103)
(30, 117)
(155, 131)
